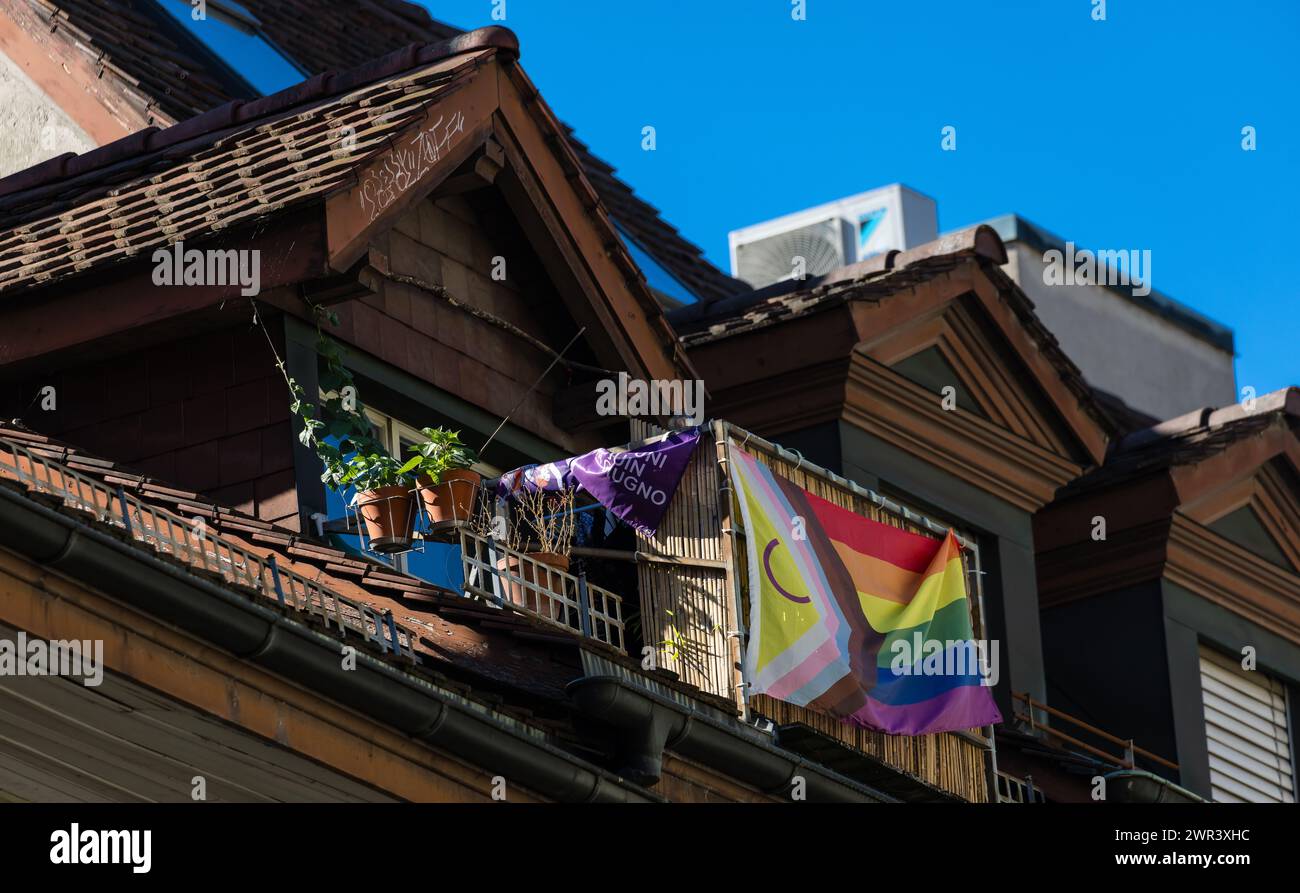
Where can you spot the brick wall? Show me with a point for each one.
(209, 413)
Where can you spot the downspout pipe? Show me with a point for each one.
(645, 724)
(266, 637)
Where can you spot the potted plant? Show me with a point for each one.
(543, 530)
(384, 498)
(446, 483)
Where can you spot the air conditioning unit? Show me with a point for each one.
(813, 242)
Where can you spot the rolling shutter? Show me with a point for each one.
(1246, 733)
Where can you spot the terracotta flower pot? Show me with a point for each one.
(389, 516)
(452, 498)
(519, 594)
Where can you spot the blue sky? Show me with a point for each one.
(1124, 133)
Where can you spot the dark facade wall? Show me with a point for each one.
(209, 413)
(819, 444)
(1106, 664)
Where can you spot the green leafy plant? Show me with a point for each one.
(441, 451)
(371, 471)
(360, 459)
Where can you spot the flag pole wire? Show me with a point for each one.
(545, 372)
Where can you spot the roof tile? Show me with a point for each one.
(324, 36)
(215, 180)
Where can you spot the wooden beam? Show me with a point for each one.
(638, 318)
(478, 173)
(419, 160)
(564, 265)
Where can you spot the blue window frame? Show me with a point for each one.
(433, 562)
(438, 564)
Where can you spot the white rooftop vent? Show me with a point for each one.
(813, 242)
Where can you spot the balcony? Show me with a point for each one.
(508, 578)
(688, 608)
(1029, 714)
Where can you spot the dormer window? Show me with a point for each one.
(235, 36)
(669, 288)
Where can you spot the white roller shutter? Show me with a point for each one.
(1247, 733)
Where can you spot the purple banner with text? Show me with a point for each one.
(636, 485)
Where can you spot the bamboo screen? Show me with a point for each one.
(686, 602)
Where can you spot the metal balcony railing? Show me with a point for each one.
(1127, 759)
(190, 541)
(502, 576)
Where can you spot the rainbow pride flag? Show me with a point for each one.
(857, 619)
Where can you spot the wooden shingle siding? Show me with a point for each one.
(208, 413)
(448, 242)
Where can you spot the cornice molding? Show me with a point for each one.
(1093, 567)
(1228, 575)
(887, 405)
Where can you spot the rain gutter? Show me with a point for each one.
(268, 638)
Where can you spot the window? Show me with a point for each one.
(438, 563)
(1247, 732)
(235, 36)
(659, 279)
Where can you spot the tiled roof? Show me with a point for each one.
(1192, 438)
(875, 280)
(1127, 419)
(129, 49)
(323, 36)
(230, 166)
(871, 279)
(656, 236)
